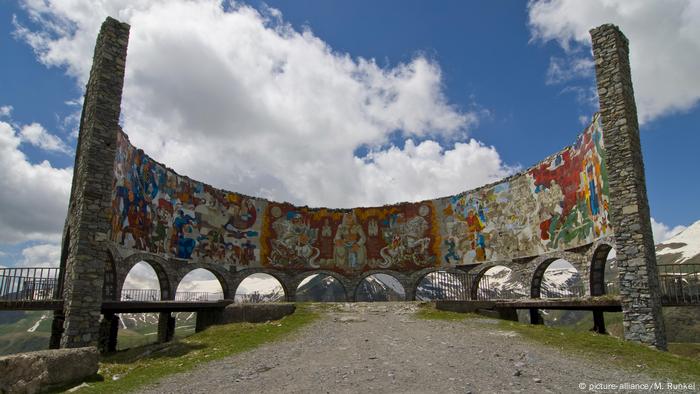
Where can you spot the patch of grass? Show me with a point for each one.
(690, 350)
(139, 366)
(428, 312)
(615, 351)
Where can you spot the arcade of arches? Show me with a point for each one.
(126, 208)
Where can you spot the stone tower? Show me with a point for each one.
(629, 210)
(85, 235)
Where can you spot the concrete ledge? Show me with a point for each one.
(464, 306)
(255, 313)
(35, 372)
(484, 308)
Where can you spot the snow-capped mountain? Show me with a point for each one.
(320, 288)
(380, 287)
(683, 248)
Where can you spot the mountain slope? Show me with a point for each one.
(683, 248)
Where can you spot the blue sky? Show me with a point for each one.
(514, 78)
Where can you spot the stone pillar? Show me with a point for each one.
(56, 329)
(535, 317)
(207, 318)
(166, 327)
(599, 322)
(629, 208)
(109, 331)
(88, 221)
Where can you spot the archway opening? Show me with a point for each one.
(320, 288)
(141, 284)
(138, 329)
(561, 280)
(441, 285)
(604, 280)
(199, 285)
(498, 283)
(604, 271)
(260, 287)
(380, 287)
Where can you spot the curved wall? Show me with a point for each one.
(558, 204)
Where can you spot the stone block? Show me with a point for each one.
(37, 372)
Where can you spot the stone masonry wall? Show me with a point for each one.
(87, 224)
(629, 208)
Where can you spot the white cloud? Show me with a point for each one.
(141, 276)
(565, 69)
(5, 111)
(663, 232)
(42, 255)
(33, 197)
(664, 45)
(239, 99)
(37, 135)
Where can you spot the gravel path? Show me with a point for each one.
(383, 348)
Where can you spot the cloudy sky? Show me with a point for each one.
(338, 103)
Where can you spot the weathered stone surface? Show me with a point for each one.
(41, 371)
(84, 254)
(255, 313)
(629, 209)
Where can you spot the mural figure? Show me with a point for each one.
(350, 243)
(560, 203)
(406, 241)
(294, 242)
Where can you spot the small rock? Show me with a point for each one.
(116, 377)
(519, 364)
(537, 380)
(76, 388)
(517, 372)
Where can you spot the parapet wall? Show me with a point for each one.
(558, 204)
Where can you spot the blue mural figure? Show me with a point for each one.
(451, 250)
(181, 220)
(593, 198)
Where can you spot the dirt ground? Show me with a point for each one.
(384, 348)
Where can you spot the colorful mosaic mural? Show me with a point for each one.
(558, 204)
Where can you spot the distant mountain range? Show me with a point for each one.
(683, 248)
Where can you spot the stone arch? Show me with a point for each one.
(403, 280)
(281, 277)
(416, 277)
(220, 277)
(598, 258)
(109, 285)
(540, 265)
(345, 283)
(159, 265)
(478, 273)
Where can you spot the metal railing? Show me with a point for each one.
(182, 296)
(679, 283)
(140, 295)
(569, 291)
(257, 297)
(195, 296)
(488, 290)
(30, 284)
(442, 285)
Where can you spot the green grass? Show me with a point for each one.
(612, 350)
(428, 312)
(690, 350)
(600, 348)
(139, 366)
